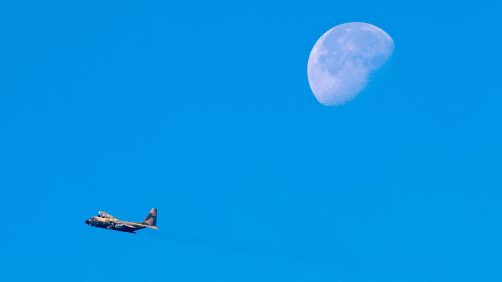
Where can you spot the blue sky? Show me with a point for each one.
(203, 110)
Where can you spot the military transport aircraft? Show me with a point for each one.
(105, 220)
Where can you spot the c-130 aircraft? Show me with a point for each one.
(106, 220)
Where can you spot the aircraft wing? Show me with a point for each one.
(106, 215)
(136, 225)
(148, 226)
(128, 225)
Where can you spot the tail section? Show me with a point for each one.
(151, 219)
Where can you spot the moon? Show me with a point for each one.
(343, 58)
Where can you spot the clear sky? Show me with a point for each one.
(203, 110)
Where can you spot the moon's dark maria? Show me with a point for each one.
(343, 58)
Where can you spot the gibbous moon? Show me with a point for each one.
(343, 58)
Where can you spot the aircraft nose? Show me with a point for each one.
(86, 221)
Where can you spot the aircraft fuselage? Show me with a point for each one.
(111, 224)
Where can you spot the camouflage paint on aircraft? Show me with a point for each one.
(106, 220)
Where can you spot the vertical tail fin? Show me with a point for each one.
(151, 218)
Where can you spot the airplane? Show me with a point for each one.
(106, 220)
